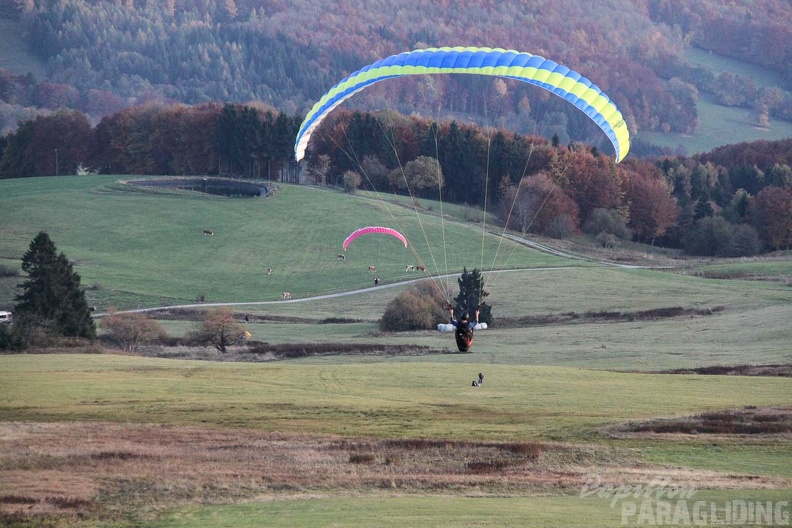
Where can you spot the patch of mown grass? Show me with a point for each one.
(736, 457)
(387, 400)
(449, 511)
(775, 269)
(738, 370)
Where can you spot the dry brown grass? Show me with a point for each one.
(70, 471)
(783, 371)
(606, 316)
(752, 421)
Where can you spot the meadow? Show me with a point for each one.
(571, 363)
(140, 247)
(721, 125)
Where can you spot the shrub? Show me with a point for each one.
(218, 329)
(715, 237)
(7, 271)
(607, 221)
(130, 331)
(418, 308)
(362, 458)
(351, 181)
(607, 240)
(745, 242)
(12, 338)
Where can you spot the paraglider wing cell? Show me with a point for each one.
(525, 67)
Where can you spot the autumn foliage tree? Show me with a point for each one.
(538, 205)
(418, 308)
(351, 181)
(218, 329)
(591, 181)
(771, 212)
(652, 209)
(130, 331)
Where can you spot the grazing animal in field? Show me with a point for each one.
(286, 295)
(421, 267)
(208, 232)
(372, 269)
(269, 271)
(410, 267)
(341, 256)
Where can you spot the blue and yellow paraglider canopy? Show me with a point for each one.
(533, 69)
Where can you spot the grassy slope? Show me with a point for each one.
(118, 239)
(147, 248)
(404, 400)
(462, 512)
(384, 400)
(721, 125)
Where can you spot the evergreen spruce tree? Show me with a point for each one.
(51, 296)
(471, 295)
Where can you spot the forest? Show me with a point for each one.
(732, 201)
(106, 55)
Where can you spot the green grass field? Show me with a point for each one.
(384, 400)
(718, 125)
(146, 248)
(564, 385)
(563, 406)
(568, 511)
(721, 125)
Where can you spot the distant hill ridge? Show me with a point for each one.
(106, 55)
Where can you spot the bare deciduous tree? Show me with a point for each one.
(218, 329)
(132, 330)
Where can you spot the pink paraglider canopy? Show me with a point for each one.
(373, 229)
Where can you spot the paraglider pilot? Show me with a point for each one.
(463, 332)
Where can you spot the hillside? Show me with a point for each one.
(597, 376)
(146, 247)
(287, 54)
(15, 54)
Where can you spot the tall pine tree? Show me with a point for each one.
(471, 295)
(51, 295)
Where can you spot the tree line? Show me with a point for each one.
(242, 140)
(741, 192)
(744, 192)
